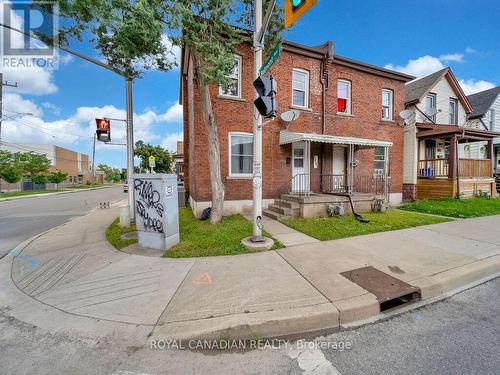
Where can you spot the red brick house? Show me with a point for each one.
(348, 137)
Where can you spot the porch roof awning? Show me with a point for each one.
(426, 130)
(290, 137)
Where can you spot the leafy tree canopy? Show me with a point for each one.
(111, 174)
(163, 159)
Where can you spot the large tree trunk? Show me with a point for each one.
(213, 144)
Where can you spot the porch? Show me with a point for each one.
(326, 168)
(446, 169)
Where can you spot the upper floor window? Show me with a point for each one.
(430, 105)
(233, 89)
(492, 119)
(453, 112)
(344, 96)
(241, 154)
(387, 104)
(300, 88)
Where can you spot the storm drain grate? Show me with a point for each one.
(390, 292)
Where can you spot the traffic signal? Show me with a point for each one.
(103, 130)
(266, 102)
(295, 9)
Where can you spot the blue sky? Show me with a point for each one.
(417, 37)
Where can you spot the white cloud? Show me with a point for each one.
(471, 86)
(170, 141)
(470, 50)
(455, 57)
(419, 67)
(15, 103)
(173, 114)
(52, 108)
(79, 127)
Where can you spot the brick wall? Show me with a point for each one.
(235, 115)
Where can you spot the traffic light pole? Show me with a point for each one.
(257, 129)
(130, 148)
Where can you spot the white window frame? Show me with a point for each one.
(349, 97)
(306, 92)
(224, 95)
(455, 113)
(230, 154)
(379, 171)
(391, 104)
(434, 98)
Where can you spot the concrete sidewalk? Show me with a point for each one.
(290, 291)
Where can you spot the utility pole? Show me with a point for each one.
(93, 162)
(2, 84)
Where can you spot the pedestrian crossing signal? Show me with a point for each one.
(295, 9)
(103, 130)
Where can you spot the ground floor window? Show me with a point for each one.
(379, 163)
(241, 154)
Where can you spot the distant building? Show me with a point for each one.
(78, 166)
(178, 161)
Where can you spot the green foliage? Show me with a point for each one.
(57, 177)
(163, 162)
(10, 169)
(332, 228)
(41, 178)
(111, 174)
(460, 208)
(33, 164)
(11, 174)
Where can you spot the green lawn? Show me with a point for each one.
(114, 232)
(332, 228)
(200, 238)
(31, 192)
(473, 207)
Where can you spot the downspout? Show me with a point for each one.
(324, 86)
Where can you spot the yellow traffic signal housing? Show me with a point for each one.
(295, 9)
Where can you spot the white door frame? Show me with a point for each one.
(337, 183)
(301, 184)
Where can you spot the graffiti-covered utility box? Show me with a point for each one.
(156, 210)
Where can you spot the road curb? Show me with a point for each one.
(49, 194)
(326, 318)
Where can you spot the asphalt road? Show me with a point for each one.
(21, 219)
(460, 335)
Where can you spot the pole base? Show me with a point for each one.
(266, 244)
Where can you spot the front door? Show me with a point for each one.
(300, 182)
(338, 161)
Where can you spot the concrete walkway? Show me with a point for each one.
(290, 291)
(286, 235)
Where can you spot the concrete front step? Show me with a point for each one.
(284, 210)
(287, 203)
(273, 215)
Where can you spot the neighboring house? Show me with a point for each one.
(436, 135)
(76, 165)
(178, 161)
(347, 139)
(486, 115)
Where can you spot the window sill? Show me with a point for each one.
(235, 98)
(298, 108)
(342, 114)
(240, 177)
(387, 121)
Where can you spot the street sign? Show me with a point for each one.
(275, 54)
(152, 161)
(294, 9)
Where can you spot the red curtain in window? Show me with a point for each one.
(341, 105)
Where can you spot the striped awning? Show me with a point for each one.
(290, 137)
